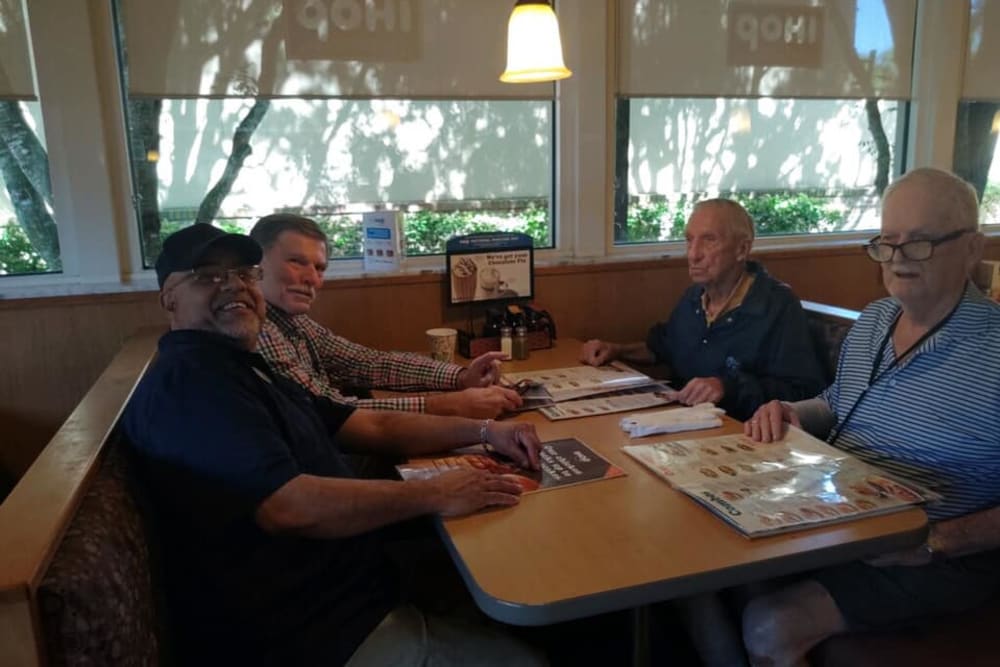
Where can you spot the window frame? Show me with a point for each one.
(91, 178)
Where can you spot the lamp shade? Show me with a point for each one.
(534, 50)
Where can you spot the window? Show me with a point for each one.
(978, 121)
(795, 110)
(194, 70)
(332, 109)
(29, 240)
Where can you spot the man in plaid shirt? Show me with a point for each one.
(301, 349)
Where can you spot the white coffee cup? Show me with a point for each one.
(442, 343)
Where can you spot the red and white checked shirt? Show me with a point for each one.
(300, 349)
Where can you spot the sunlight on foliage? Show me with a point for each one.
(664, 219)
(16, 253)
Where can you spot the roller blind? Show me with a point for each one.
(839, 49)
(16, 80)
(320, 48)
(982, 64)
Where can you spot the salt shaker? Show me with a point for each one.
(506, 342)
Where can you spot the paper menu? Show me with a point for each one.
(625, 400)
(764, 489)
(565, 384)
(564, 462)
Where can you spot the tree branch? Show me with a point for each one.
(882, 150)
(144, 125)
(25, 148)
(241, 150)
(31, 210)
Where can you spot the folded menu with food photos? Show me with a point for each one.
(563, 463)
(567, 384)
(636, 398)
(762, 489)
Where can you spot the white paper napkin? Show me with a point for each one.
(703, 415)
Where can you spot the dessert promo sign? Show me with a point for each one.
(491, 266)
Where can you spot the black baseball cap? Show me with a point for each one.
(183, 250)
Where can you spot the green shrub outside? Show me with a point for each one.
(16, 252)
(772, 213)
(424, 232)
(989, 209)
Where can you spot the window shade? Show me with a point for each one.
(320, 48)
(982, 76)
(840, 49)
(16, 80)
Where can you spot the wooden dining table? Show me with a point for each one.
(624, 543)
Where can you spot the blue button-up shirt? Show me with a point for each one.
(761, 349)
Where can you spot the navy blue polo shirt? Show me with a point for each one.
(761, 349)
(216, 433)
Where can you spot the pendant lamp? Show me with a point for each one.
(534, 50)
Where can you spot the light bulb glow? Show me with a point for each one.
(534, 49)
(739, 121)
(996, 123)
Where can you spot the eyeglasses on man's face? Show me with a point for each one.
(917, 250)
(213, 276)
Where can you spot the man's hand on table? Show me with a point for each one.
(768, 423)
(517, 441)
(477, 403)
(459, 492)
(701, 390)
(597, 352)
(482, 371)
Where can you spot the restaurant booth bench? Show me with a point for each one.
(76, 575)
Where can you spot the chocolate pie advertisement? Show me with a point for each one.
(490, 267)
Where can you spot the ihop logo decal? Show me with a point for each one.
(365, 30)
(780, 35)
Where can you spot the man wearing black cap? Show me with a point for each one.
(272, 554)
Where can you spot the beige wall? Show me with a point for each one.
(53, 349)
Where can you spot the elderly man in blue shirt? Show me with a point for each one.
(917, 393)
(738, 337)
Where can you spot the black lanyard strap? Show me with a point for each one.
(876, 375)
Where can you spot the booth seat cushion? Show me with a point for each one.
(828, 335)
(968, 639)
(96, 601)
